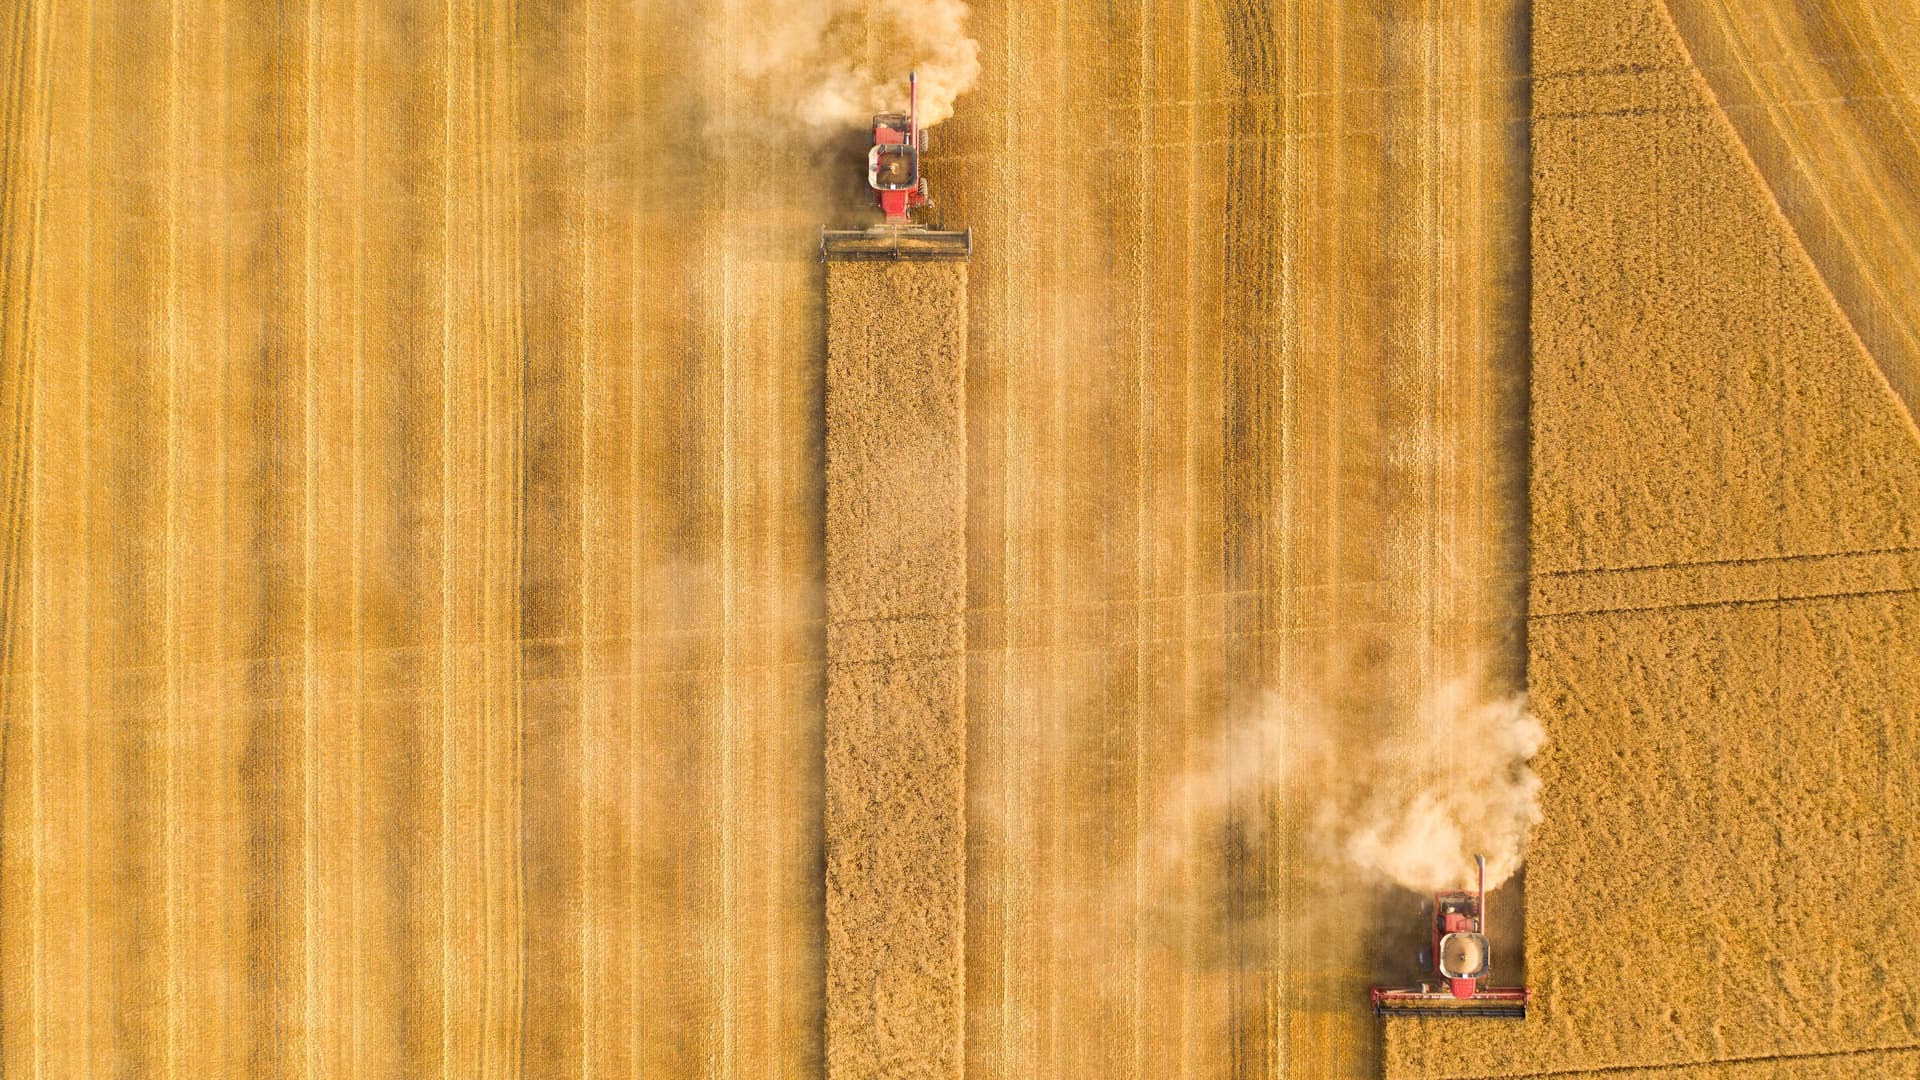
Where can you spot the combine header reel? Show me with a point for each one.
(893, 172)
(1462, 959)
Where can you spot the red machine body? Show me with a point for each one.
(1461, 957)
(893, 164)
(1456, 913)
(893, 176)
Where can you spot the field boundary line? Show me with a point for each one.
(1757, 560)
(1758, 1059)
(1740, 602)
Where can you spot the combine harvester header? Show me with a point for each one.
(893, 172)
(1461, 957)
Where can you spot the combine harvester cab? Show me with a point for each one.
(1462, 960)
(893, 173)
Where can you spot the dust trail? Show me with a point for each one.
(1411, 807)
(1454, 783)
(814, 55)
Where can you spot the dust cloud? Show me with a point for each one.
(832, 64)
(1453, 783)
(1411, 806)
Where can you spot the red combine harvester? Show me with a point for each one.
(1462, 959)
(893, 172)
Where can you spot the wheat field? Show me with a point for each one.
(420, 646)
(1721, 613)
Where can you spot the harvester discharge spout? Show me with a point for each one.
(900, 191)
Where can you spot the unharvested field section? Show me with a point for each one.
(1723, 612)
(896, 738)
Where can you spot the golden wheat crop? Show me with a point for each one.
(1722, 615)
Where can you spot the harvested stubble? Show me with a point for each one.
(896, 717)
(300, 369)
(1227, 444)
(1723, 638)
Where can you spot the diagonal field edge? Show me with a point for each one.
(1874, 363)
